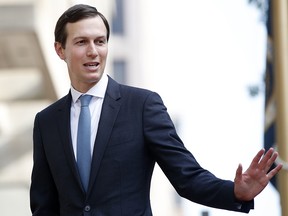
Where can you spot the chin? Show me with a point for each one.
(94, 77)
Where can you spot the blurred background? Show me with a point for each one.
(205, 58)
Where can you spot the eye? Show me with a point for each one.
(101, 41)
(80, 42)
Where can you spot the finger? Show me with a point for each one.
(238, 175)
(257, 158)
(267, 159)
(270, 162)
(274, 171)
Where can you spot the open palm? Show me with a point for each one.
(250, 183)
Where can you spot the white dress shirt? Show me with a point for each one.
(95, 106)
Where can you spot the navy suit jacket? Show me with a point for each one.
(134, 132)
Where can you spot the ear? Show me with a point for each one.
(59, 50)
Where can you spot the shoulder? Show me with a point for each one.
(128, 91)
(135, 90)
(60, 104)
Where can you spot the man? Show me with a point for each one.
(130, 131)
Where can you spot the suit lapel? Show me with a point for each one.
(110, 109)
(65, 134)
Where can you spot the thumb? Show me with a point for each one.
(238, 175)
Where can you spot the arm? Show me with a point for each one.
(189, 179)
(43, 192)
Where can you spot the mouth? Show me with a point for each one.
(91, 65)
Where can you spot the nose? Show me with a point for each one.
(92, 50)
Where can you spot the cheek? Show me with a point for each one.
(103, 54)
(74, 55)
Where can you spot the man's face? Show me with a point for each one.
(85, 52)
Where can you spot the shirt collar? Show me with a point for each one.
(97, 90)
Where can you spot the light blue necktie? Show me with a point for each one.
(83, 141)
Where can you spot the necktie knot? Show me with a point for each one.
(85, 100)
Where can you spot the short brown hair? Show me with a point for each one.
(74, 14)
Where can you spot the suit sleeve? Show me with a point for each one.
(43, 193)
(189, 179)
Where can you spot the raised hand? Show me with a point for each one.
(250, 183)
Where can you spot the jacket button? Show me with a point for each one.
(87, 208)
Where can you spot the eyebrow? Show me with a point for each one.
(85, 37)
(81, 37)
